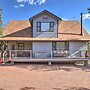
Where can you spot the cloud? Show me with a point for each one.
(86, 16)
(21, 5)
(41, 1)
(64, 19)
(18, 6)
(32, 2)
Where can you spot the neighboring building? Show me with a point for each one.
(45, 36)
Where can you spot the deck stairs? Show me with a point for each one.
(80, 49)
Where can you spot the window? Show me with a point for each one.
(45, 26)
(0, 47)
(12, 47)
(60, 46)
(21, 46)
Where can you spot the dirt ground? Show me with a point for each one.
(44, 77)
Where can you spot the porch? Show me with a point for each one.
(46, 51)
(45, 56)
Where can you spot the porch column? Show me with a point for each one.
(10, 54)
(4, 57)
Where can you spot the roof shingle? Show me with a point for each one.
(15, 25)
(69, 30)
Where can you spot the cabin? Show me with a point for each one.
(45, 37)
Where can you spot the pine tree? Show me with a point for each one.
(0, 22)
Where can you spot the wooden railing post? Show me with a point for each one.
(51, 53)
(30, 54)
(15, 51)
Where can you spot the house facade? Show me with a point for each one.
(45, 36)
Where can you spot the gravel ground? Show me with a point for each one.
(44, 77)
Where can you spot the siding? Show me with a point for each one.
(44, 34)
(44, 47)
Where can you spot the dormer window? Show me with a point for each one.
(45, 26)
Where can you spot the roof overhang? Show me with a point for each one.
(45, 12)
(39, 39)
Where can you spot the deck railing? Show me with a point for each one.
(29, 54)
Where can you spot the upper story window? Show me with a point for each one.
(45, 26)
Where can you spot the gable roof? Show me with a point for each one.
(45, 12)
(71, 27)
(15, 25)
(69, 30)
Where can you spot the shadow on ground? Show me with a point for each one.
(1, 89)
(71, 88)
(54, 67)
(27, 88)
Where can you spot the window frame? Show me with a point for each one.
(55, 48)
(0, 47)
(21, 46)
(13, 47)
(51, 25)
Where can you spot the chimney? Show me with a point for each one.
(81, 14)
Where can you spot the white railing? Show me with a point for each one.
(29, 54)
(44, 54)
(79, 50)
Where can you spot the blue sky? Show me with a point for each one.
(66, 9)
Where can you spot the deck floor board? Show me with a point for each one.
(47, 59)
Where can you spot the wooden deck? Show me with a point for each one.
(48, 59)
(32, 56)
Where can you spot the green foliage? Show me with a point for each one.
(88, 46)
(0, 32)
(0, 22)
(3, 47)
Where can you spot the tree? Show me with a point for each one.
(1, 22)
